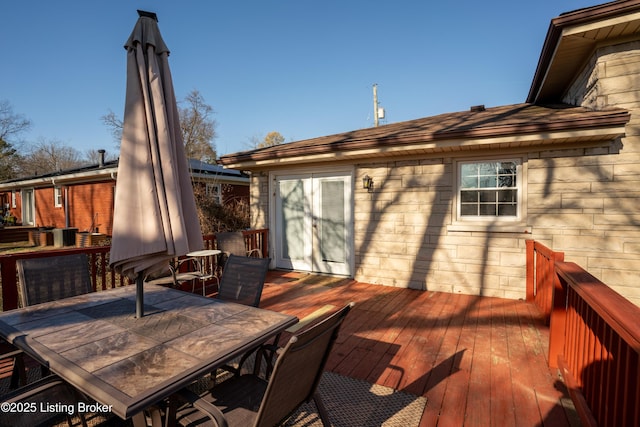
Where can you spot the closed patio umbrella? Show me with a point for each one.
(155, 217)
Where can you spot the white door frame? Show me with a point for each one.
(309, 232)
(28, 206)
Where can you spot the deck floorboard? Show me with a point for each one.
(479, 361)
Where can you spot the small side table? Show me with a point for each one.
(206, 261)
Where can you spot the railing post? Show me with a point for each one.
(265, 243)
(558, 319)
(9, 288)
(530, 268)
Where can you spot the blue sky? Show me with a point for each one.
(302, 68)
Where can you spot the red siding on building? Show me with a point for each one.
(47, 215)
(235, 192)
(91, 206)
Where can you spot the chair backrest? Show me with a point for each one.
(243, 279)
(53, 278)
(299, 368)
(231, 243)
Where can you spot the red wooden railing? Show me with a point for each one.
(601, 354)
(103, 277)
(594, 339)
(540, 273)
(253, 239)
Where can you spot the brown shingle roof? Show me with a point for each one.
(504, 121)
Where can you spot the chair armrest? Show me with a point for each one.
(18, 370)
(181, 261)
(168, 279)
(273, 351)
(11, 354)
(34, 388)
(202, 405)
(258, 251)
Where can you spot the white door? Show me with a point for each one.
(313, 222)
(28, 207)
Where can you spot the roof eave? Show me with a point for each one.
(553, 47)
(476, 139)
(63, 179)
(221, 179)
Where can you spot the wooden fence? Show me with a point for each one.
(103, 277)
(594, 336)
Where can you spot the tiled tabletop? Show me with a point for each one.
(96, 343)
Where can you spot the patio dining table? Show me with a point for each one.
(96, 343)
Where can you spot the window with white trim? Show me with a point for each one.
(489, 189)
(57, 197)
(215, 192)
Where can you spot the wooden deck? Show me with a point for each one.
(479, 361)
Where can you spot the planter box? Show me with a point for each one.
(41, 238)
(84, 240)
(14, 234)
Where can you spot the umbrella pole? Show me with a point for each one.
(139, 296)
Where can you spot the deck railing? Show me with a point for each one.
(102, 276)
(594, 339)
(540, 274)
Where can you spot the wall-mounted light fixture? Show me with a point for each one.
(367, 183)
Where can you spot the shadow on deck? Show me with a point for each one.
(478, 360)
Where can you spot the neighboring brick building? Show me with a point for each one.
(83, 198)
(455, 196)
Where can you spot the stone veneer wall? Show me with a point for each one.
(583, 201)
(403, 236)
(606, 202)
(259, 200)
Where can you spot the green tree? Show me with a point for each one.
(11, 125)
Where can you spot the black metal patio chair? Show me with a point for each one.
(175, 276)
(52, 278)
(243, 279)
(242, 282)
(232, 243)
(250, 400)
(47, 279)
